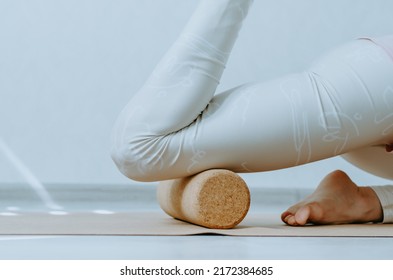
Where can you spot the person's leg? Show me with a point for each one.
(174, 127)
(155, 131)
(337, 199)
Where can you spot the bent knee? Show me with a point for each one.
(141, 159)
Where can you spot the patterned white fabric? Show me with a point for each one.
(177, 125)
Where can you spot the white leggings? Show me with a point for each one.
(176, 126)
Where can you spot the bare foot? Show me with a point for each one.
(337, 200)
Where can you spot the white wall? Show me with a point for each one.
(68, 67)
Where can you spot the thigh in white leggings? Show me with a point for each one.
(176, 125)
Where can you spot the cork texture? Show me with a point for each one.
(216, 198)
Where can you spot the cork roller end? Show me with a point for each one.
(214, 198)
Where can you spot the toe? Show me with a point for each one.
(289, 218)
(302, 215)
(285, 215)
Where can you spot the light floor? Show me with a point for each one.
(133, 198)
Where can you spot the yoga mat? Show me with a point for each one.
(159, 224)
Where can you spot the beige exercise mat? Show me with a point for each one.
(157, 223)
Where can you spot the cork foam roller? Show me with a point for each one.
(214, 198)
